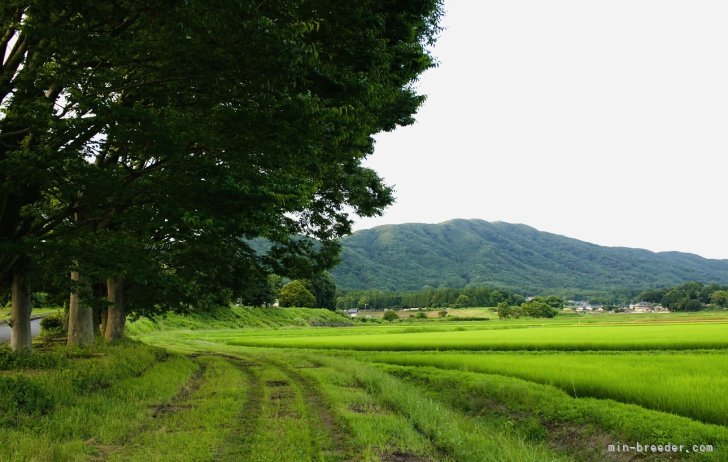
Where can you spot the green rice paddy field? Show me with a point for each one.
(263, 386)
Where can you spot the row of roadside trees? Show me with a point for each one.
(144, 144)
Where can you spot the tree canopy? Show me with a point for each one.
(295, 293)
(691, 296)
(145, 149)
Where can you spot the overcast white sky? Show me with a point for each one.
(605, 121)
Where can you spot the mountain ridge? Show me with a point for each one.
(471, 252)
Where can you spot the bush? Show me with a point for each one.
(52, 324)
(442, 313)
(418, 315)
(391, 315)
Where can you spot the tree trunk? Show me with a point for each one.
(116, 312)
(80, 316)
(22, 304)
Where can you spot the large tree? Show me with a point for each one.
(55, 60)
(157, 137)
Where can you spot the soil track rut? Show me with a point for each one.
(237, 446)
(277, 393)
(323, 416)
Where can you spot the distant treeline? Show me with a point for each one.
(431, 298)
(691, 296)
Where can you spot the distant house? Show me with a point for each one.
(642, 307)
(352, 312)
(647, 307)
(580, 305)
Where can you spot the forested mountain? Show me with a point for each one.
(460, 253)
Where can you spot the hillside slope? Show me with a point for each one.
(460, 253)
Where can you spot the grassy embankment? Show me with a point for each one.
(230, 401)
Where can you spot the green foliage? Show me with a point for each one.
(161, 170)
(538, 309)
(504, 310)
(691, 296)
(419, 315)
(323, 287)
(466, 253)
(552, 301)
(264, 293)
(719, 298)
(430, 298)
(390, 315)
(53, 324)
(295, 293)
(442, 313)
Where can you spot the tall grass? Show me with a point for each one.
(95, 397)
(590, 337)
(688, 384)
(583, 427)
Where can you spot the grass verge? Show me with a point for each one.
(93, 398)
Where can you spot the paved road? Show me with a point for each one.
(5, 330)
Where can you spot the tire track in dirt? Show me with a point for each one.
(344, 448)
(322, 416)
(188, 390)
(284, 392)
(177, 403)
(237, 446)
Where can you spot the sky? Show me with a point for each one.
(605, 121)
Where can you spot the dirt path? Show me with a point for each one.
(265, 408)
(237, 446)
(283, 413)
(322, 416)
